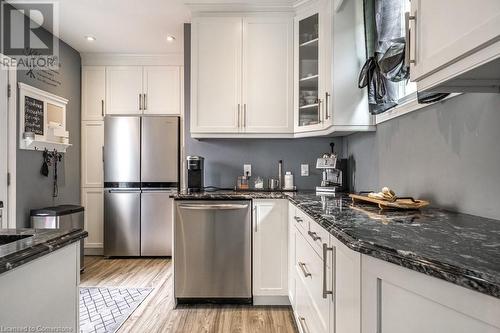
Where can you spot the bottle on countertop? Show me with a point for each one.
(288, 181)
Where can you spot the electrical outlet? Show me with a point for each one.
(304, 169)
(247, 169)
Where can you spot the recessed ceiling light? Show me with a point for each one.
(89, 38)
(170, 38)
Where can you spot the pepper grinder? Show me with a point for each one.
(280, 172)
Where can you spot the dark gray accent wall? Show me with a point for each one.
(33, 189)
(224, 158)
(448, 153)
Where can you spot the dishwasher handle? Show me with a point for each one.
(213, 206)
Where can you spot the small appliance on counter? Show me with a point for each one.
(195, 174)
(333, 172)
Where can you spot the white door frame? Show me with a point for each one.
(10, 220)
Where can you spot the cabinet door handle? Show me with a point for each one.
(102, 108)
(314, 235)
(327, 292)
(408, 59)
(145, 106)
(255, 218)
(298, 219)
(304, 269)
(327, 98)
(245, 115)
(102, 150)
(140, 101)
(239, 115)
(303, 325)
(319, 112)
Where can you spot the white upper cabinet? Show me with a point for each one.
(270, 75)
(124, 90)
(455, 45)
(143, 90)
(270, 249)
(93, 92)
(162, 90)
(267, 75)
(216, 75)
(242, 76)
(329, 53)
(309, 71)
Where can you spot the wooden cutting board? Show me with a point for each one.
(383, 204)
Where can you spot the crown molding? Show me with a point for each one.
(271, 6)
(126, 59)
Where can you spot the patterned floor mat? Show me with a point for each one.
(105, 309)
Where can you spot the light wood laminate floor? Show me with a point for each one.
(157, 313)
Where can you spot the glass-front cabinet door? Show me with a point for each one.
(313, 68)
(309, 103)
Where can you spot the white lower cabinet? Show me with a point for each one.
(311, 275)
(347, 275)
(93, 202)
(270, 248)
(42, 295)
(292, 234)
(395, 300)
(315, 277)
(339, 290)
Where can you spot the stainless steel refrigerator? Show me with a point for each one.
(141, 171)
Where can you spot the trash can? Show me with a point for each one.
(60, 217)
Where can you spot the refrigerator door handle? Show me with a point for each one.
(125, 190)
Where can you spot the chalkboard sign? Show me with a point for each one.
(33, 115)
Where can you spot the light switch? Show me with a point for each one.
(304, 169)
(247, 170)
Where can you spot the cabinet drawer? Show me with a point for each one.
(317, 236)
(312, 231)
(310, 269)
(300, 219)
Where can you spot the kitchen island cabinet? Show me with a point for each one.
(39, 278)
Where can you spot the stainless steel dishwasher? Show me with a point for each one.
(212, 251)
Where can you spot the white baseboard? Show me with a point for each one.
(271, 300)
(93, 251)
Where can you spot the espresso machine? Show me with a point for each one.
(333, 172)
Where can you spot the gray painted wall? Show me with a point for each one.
(224, 158)
(34, 190)
(448, 152)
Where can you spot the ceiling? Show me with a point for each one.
(132, 26)
(123, 26)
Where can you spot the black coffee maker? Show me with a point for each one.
(195, 174)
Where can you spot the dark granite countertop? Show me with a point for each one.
(38, 242)
(460, 248)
